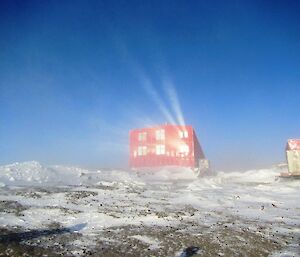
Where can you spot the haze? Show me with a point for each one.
(76, 76)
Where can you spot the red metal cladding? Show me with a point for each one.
(293, 144)
(165, 145)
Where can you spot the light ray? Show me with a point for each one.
(172, 95)
(157, 99)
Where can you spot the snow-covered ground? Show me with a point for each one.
(234, 213)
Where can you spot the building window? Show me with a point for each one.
(184, 149)
(142, 136)
(160, 134)
(183, 134)
(160, 149)
(142, 150)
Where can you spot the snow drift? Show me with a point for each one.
(104, 199)
(34, 174)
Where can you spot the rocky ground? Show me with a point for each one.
(67, 211)
(224, 236)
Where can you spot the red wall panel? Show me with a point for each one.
(178, 147)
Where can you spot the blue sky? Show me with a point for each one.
(76, 76)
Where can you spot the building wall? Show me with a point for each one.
(199, 154)
(293, 158)
(176, 146)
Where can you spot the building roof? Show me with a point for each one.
(163, 126)
(293, 144)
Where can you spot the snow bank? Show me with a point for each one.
(168, 197)
(33, 173)
(168, 174)
(251, 176)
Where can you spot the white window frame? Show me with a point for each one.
(142, 136)
(183, 134)
(184, 149)
(160, 134)
(160, 149)
(142, 150)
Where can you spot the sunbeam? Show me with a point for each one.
(151, 91)
(173, 97)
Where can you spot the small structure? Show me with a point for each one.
(166, 145)
(293, 158)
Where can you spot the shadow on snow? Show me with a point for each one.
(32, 234)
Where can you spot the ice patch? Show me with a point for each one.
(152, 242)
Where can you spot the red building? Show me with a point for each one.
(165, 145)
